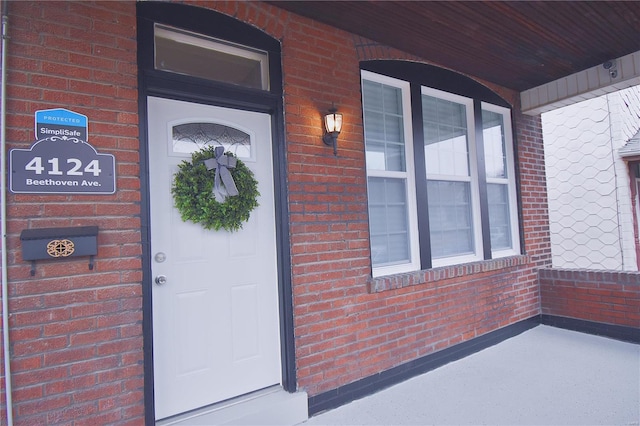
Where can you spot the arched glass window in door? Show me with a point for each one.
(191, 137)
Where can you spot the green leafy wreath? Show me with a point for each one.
(193, 191)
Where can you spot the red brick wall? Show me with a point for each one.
(533, 188)
(347, 325)
(608, 297)
(76, 334)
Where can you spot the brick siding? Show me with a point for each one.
(607, 297)
(76, 335)
(347, 325)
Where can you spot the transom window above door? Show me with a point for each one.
(196, 55)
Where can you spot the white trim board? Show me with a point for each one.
(596, 81)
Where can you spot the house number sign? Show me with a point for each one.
(61, 161)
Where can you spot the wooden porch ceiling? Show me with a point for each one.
(516, 44)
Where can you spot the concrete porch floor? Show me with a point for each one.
(544, 376)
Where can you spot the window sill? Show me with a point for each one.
(408, 279)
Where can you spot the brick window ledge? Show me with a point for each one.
(391, 282)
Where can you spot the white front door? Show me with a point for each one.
(215, 319)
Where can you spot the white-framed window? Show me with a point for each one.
(452, 178)
(501, 183)
(390, 178)
(441, 179)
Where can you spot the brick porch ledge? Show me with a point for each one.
(390, 282)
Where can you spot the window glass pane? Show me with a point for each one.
(499, 223)
(378, 219)
(495, 155)
(396, 218)
(398, 248)
(446, 144)
(192, 137)
(392, 100)
(372, 94)
(375, 156)
(395, 157)
(393, 129)
(450, 219)
(196, 55)
(388, 221)
(374, 130)
(383, 124)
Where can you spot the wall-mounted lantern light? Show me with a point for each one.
(332, 127)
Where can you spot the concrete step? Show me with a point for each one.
(270, 406)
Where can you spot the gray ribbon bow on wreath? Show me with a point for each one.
(222, 163)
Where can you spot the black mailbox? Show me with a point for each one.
(59, 243)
